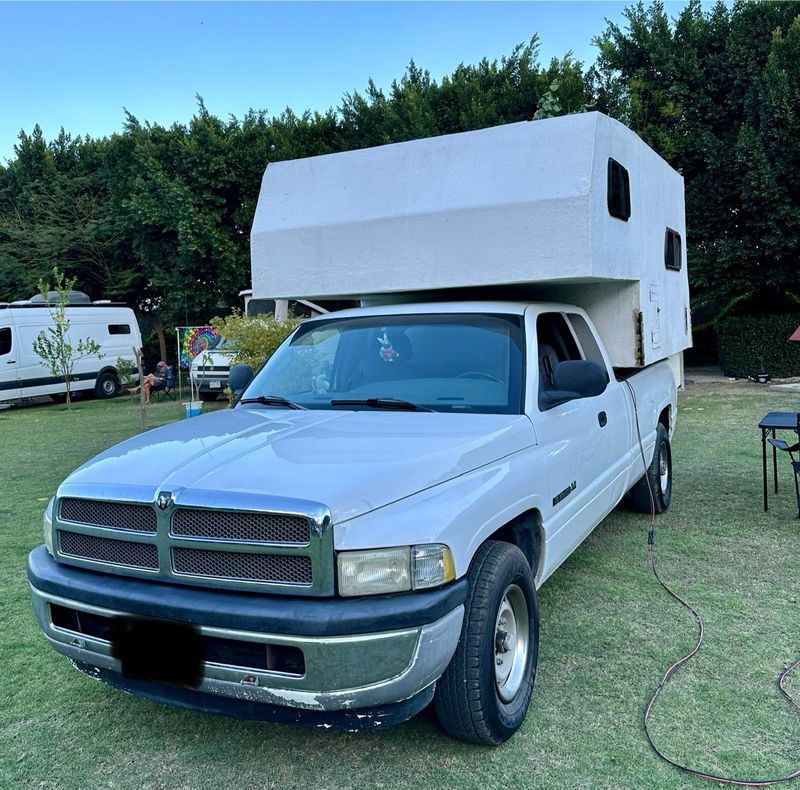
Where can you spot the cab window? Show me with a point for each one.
(586, 339)
(5, 341)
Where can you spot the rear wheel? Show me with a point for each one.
(485, 691)
(107, 385)
(658, 478)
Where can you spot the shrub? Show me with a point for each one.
(253, 338)
(749, 345)
(126, 372)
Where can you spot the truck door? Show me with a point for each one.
(584, 451)
(610, 442)
(9, 362)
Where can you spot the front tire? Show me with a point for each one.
(659, 475)
(484, 693)
(107, 385)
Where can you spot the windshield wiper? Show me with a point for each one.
(381, 403)
(273, 400)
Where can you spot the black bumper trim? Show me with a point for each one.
(246, 611)
(180, 696)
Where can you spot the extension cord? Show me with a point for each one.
(651, 538)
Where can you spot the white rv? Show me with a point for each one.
(23, 374)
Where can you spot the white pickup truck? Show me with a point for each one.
(366, 529)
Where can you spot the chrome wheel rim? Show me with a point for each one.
(108, 386)
(663, 467)
(511, 643)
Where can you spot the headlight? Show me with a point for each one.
(47, 525)
(399, 569)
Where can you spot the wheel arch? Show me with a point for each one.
(107, 369)
(525, 531)
(665, 418)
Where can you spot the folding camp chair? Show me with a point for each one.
(780, 444)
(167, 391)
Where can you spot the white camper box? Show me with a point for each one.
(23, 374)
(525, 205)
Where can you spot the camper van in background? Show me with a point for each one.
(23, 374)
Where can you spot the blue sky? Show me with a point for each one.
(77, 65)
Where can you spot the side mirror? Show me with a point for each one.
(238, 379)
(586, 378)
(573, 380)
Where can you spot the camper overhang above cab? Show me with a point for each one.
(576, 209)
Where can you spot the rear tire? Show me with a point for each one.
(659, 473)
(484, 693)
(107, 385)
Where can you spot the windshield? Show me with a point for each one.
(452, 362)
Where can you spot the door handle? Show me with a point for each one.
(11, 362)
(602, 419)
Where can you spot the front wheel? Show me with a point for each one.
(485, 691)
(658, 479)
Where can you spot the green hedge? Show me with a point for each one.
(751, 345)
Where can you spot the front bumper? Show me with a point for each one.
(359, 654)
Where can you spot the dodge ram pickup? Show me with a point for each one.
(365, 530)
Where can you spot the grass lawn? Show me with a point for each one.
(608, 632)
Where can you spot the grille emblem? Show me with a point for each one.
(164, 500)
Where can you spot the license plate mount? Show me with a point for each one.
(158, 650)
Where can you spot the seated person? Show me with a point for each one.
(153, 382)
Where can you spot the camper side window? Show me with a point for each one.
(619, 191)
(672, 250)
(5, 341)
(119, 329)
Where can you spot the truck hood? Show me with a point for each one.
(350, 461)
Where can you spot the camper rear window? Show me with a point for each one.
(619, 191)
(119, 329)
(672, 250)
(5, 341)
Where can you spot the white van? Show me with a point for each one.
(23, 374)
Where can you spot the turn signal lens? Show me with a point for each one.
(432, 565)
(47, 525)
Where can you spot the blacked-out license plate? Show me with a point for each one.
(158, 650)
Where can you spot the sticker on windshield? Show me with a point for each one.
(387, 351)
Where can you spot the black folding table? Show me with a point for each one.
(774, 421)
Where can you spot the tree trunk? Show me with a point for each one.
(137, 352)
(162, 340)
(67, 377)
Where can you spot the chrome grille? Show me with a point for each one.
(117, 515)
(268, 568)
(117, 552)
(236, 525)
